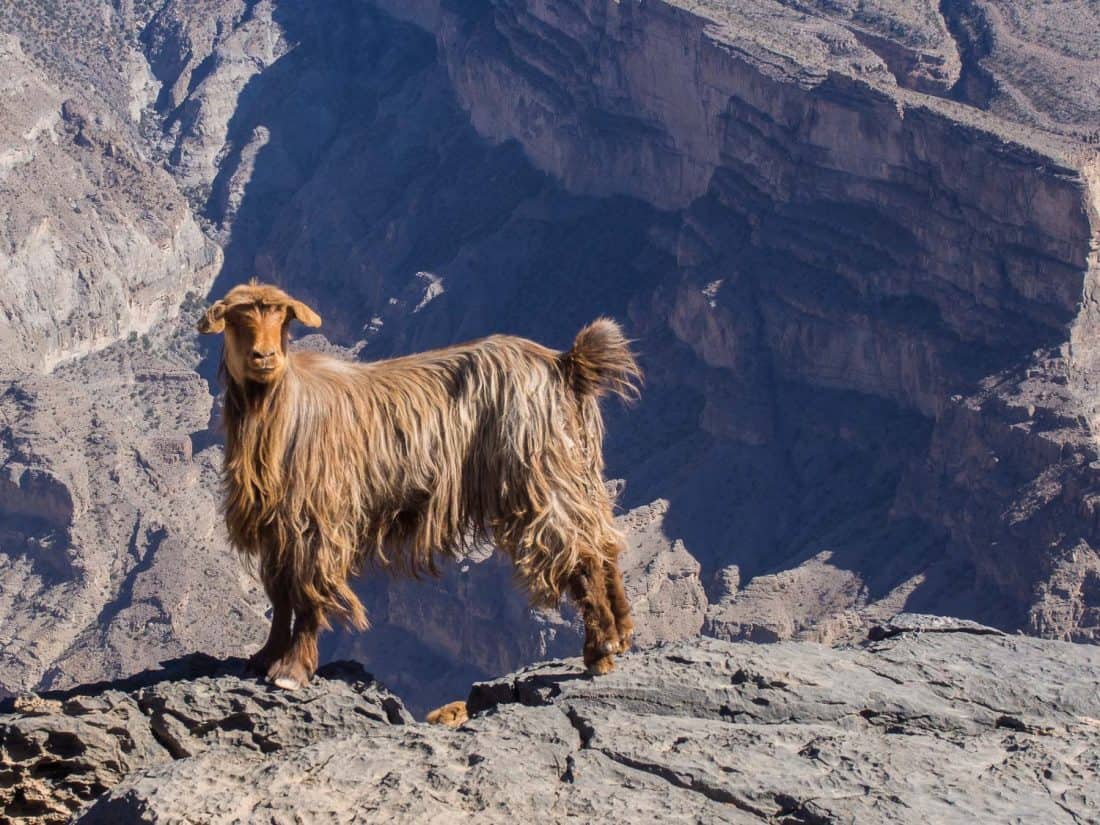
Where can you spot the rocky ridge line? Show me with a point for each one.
(936, 721)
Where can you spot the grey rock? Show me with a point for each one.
(919, 623)
(97, 244)
(948, 727)
(662, 579)
(61, 750)
(113, 555)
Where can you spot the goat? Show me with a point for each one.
(332, 465)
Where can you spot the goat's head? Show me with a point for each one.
(256, 320)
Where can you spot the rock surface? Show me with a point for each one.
(62, 750)
(113, 554)
(97, 243)
(934, 722)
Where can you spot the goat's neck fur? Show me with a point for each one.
(257, 421)
(281, 506)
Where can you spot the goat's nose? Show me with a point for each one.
(260, 355)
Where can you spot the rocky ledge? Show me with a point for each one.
(927, 721)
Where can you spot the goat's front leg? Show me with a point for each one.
(297, 665)
(278, 637)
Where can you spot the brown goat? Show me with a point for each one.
(332, 465)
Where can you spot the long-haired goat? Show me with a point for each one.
(332, 465)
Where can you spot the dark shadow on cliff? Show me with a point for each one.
(531, 690)
(179, 669)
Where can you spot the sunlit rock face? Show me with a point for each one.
(855, 245)
(97, 242)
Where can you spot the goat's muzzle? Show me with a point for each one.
(262, 367)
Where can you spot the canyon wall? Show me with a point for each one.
(895, 244)
(97, 243)
(856, 246)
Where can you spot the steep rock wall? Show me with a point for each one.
(898, 245)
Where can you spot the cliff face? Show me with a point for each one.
(112, 550)
(837, 231)
(99, 252)
(966, 247)
(856, 244)
(97, 242)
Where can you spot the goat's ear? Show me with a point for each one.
(305, 315)
(214, 319)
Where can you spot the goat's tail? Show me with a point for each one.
(601, 362)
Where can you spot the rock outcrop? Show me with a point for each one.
(934, 721)
(61, 751)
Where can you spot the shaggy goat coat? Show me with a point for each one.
(396, 463)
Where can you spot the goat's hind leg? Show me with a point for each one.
(588, 586)
(617, 600)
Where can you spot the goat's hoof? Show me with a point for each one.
(288, 675)
(601, 666)
(624, 641)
